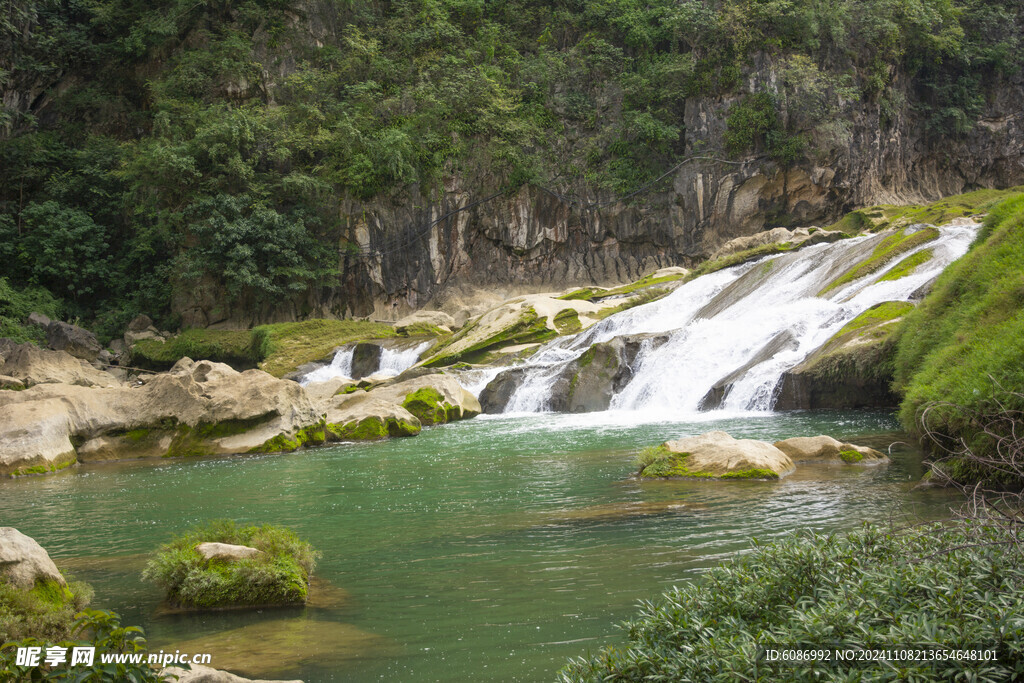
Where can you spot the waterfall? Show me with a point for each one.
(720, 323)
(341, 366)
(396, 361)
(393, 361)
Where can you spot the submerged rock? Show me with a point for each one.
(204, 674)
(23, 562)
(716, 455)
(277, 645)
(825, 448)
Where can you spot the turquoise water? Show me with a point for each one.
(491, 549)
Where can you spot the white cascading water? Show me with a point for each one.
(341, 366)
(719, 322)
(394, 362)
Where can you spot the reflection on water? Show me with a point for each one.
(486, 550)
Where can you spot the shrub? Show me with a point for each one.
(279, 576)
(92, 628)
(46, 611)
(953, 586)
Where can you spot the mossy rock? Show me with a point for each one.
(277, 576)
(430, 407)
(851, 457)
(888, 249)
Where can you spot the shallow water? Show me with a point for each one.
(491, 549)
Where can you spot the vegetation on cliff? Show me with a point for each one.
(962, 349)
(153, 149)
(933, 586)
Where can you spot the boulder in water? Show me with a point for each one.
(715, 455)
(365, 359)
(825, 448)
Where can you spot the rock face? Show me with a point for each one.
(433, 399)
(825, 448)
(227, 552)
(717, 455)
(23, 562)
(31, 365)
(851, 370)
(532, 240)
(204, 674)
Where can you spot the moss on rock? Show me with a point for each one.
(430, 407)
(277, 575)
(888, 249)
(850, 457)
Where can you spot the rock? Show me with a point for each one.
(23, 562)
(196, 409)
(433, 399)
(360, 416)
(11, 383)
(797, 237)
(118, 347)
(78, 342)
(365, 359)
(6, 346)
(227, 551)
(713, 400)
(494, 398)
(32, 365)
(817, 448)
(140, 323)
(130, 338)
(520, 320)
(204, 674)
(717, 455)
(435, 318)
(853, 369)
(38, 320)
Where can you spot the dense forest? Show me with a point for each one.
(145, 146)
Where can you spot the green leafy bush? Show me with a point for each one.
(278, 576)
(16, 304)
(92, 628)
(956, 586)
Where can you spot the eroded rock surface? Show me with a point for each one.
(717, 455)
(23, 562)
(825, 448)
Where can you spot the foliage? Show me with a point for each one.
(16, 304)
(46, 611)
(151, 151)
(279, 575)
(234, 347)
(92, 628)
(931, 586)
(965, 342)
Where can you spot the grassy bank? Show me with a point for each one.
(964, 344)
